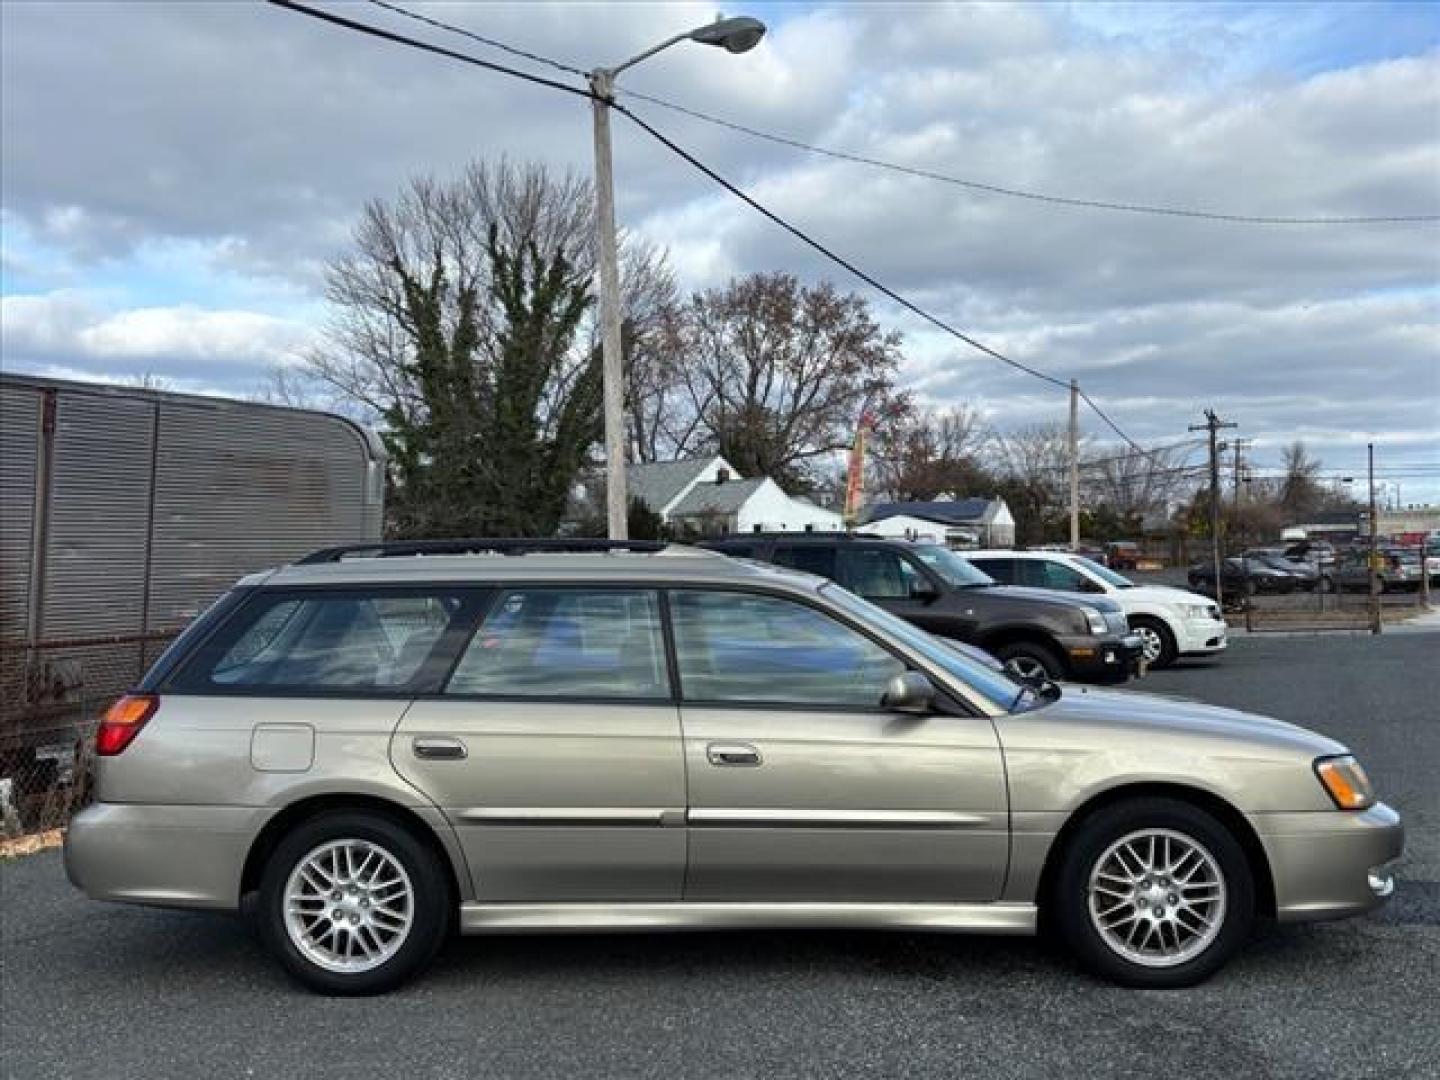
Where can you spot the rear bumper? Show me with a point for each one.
(170, 856)
(1331, 864)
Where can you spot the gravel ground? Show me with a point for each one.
(92, 990)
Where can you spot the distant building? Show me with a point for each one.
(705, 497)
(957, 523)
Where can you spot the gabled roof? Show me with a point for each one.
(712, 498)
(657, 484)
(956, 512)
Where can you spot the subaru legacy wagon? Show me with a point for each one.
(370, 749)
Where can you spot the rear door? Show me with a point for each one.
(554, 749)
(803, 787)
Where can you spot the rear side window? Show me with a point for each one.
(602, 643)
(325, 641)
(810, 558)
(1002, 570)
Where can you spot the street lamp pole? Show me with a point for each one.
(735, 36)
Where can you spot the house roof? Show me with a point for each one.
(657, 484)
(956, 512)
(714, 498)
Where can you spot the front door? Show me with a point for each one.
(554, 749)
(802, 787)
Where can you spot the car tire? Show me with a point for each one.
(1160, 648)
(391, 898)
(1106, 914)
(1028, 659)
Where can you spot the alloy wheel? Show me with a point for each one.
(1151, 646)
(1027, 669)
(1157, 898)
(349, 906)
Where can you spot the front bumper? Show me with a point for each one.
(170, 856)
(1330, 864)
(1108, 659)
(1201, 637)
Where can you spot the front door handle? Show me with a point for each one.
(732, 754)
(439, 749)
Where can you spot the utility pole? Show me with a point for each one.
(1375, 549)
(1213, 424)
(1238, 445)
(1074, 465)
(602, 84)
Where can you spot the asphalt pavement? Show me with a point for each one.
(96, 990)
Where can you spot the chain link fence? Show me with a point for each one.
(52, 694)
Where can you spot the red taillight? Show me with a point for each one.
(123, 722)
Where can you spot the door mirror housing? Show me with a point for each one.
(909, 692)
(924, 592)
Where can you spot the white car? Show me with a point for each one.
(1171, 622)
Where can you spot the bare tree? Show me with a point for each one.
(919, 455)
(1130, 482)
(1033, 465)
(1300, 491)
(775, 375)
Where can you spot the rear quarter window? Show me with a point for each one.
(329, 641)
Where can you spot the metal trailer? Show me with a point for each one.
(123, 513)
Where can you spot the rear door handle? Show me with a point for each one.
(439, 749)
(732, 754)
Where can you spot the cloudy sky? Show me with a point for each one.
(175, 175)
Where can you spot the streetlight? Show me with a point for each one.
(733, 35)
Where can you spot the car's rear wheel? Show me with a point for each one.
(1157, 642)
(1153, 893)
(353, 903)
(1030, 662)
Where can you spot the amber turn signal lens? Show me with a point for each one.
(1346, 782)
(123, 722)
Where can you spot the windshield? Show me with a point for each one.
(1104, 573)
(995, 686)
(955, 571)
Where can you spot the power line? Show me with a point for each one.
(695, 162)
(1033, 196)
(910, 170)
(569, 69)
(438, 50)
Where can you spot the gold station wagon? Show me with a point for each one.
(377, 746)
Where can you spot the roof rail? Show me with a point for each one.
(474, 546)
(777, 534)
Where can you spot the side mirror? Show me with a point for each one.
(909, 692)
(926, 593)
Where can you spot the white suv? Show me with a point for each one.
(1171, 622)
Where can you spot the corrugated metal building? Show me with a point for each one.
(124, 512)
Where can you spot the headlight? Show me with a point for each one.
(1197, 611)
(1346, 782)
(1096, 620)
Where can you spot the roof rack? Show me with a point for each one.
(476, 546)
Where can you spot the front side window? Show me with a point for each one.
(878, 573)
(600, 643)
(740, 647)
(338, 641)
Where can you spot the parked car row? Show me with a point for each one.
(1269, 570)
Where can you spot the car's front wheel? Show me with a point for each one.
(1153, 893)
(1030, 662)
(1157, 642)
(353, 903)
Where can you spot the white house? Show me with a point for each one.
(957, 523)
(704, 496)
